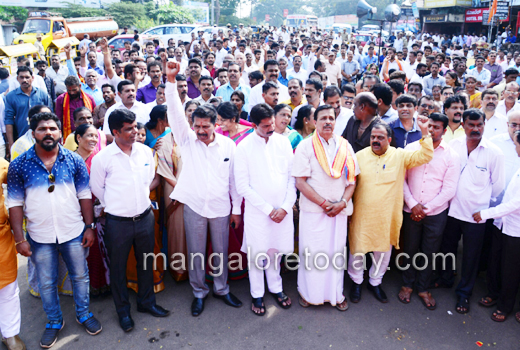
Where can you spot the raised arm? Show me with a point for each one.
(176, 117)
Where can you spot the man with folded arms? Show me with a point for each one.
(204, 187)
(263, 164)
(380, 185)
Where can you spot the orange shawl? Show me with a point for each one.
(342, 160)
(67, 129)
(387, 69)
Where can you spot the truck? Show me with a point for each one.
(54, 27)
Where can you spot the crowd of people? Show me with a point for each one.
(243, 156)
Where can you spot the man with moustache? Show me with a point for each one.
(482, 177)
(383, 172)
(270, 94)
(19, 101)
(159, 98)
(453, 108)
(359, 128)
(425, 106)
(120, 178)
(332, 96)
(510, 99)
(147, 93)
(295, 88)
(297, 71)
(234, 84)
(271, 69)
(496, 123)
(195, 71)
(109, 95)
(48, 186)
(348, 92)
(313, 89)
(405, 128)
(427, 191)
(415, 89)
(207, 190)
(206, 89)
(182, 89)
(263, 165)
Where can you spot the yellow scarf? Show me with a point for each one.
(342, 160)
(67, 129)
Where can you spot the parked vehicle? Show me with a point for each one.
(172, 31)
(338, 28)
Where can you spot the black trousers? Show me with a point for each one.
(120, 237)
(424, 236)
(494, 265)
(473, 238)
(510, 273)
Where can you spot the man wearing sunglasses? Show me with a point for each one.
(39, 185)
(425, 106)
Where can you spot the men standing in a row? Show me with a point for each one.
(120, 178)
(482, 177)
(380, 185)
(427, 191)
(263, 164)
(204, 187)
(325, 168)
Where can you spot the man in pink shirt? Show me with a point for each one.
(427, 192)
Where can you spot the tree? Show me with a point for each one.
(171, 13)
(125, 14)
(274, 8)
(8, 13)
(75, 10)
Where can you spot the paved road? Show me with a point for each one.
(367, 325)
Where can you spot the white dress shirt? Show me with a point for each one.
(263, 178)
(302, 75)
(509, 210)
(501, 108)
(341, 120)
(141, 112)
(122, 182)
(207, 179)
(37, 82)
(255, 97)
(59, 78)
(495, 125)
(482, 178)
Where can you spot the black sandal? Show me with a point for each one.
(259, 304)
(484, 301)
(463, 303)
(284, 297)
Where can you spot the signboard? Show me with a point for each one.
(406, 12)
(446, 3)
(200, 11)
(415, 10)
(502, 9)
(267, 18)
(434, 18)
(476, 16)
(285, 12)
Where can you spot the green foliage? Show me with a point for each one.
(274, 8)
(234, 21)
(126, 14)
(8, 13)
(228, 7)
(171, 13)
(75, 10)
(145, 23)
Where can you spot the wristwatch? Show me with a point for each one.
(91, 226)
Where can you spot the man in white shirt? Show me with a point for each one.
(37, 81)
(121, 176)
(332, 96)
(398, 43)
(204, 187)
(220, 54)
(510, 102)
(482, 178)
(297, 71)
(263, 164)
(496, 123)
(58, 73)
(483, 75)
(272, 71)
(332, 69)
(126, 91)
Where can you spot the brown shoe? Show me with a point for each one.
(14, 343)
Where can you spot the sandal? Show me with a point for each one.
(343, 306)
(259, 304)
(426, 299)
(517, 316)
(487, 301)
(439, 284)
(498, 316)
(405, 295)
(462, 306)
(282, 298)
(304, 302)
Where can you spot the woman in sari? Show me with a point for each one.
(452, 79)
(230, 125)
(238, 98)
(189, 108)
(86, 137)
(155, 198)
(436, 93)
(304, 124)
(157, 126)
(282, 118)
(474, 94)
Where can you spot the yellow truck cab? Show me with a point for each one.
(9, 55)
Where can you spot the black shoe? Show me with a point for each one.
(197, 306)
(126, 323)
(91, 324)
(50, 336)
(355, 293)
(229, 299)
(155, 311)
(379, 293)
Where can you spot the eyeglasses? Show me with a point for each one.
(52, 179)
(427, 106)
(511, 92)
(514, 125)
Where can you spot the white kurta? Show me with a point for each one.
(263, 178)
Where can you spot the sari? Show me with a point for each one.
(170, 166)
(239, 136)
(131, 265)
(97, 259)
(294, 137)
(151, 141)
(475, 100)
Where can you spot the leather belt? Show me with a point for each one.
(133, 218)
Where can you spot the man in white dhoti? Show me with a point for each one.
(325, 168)
(263, 163)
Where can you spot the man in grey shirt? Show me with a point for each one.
(349, 69)
(433, 79)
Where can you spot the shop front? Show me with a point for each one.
(444, 24)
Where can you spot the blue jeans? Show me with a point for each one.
(45, 259)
